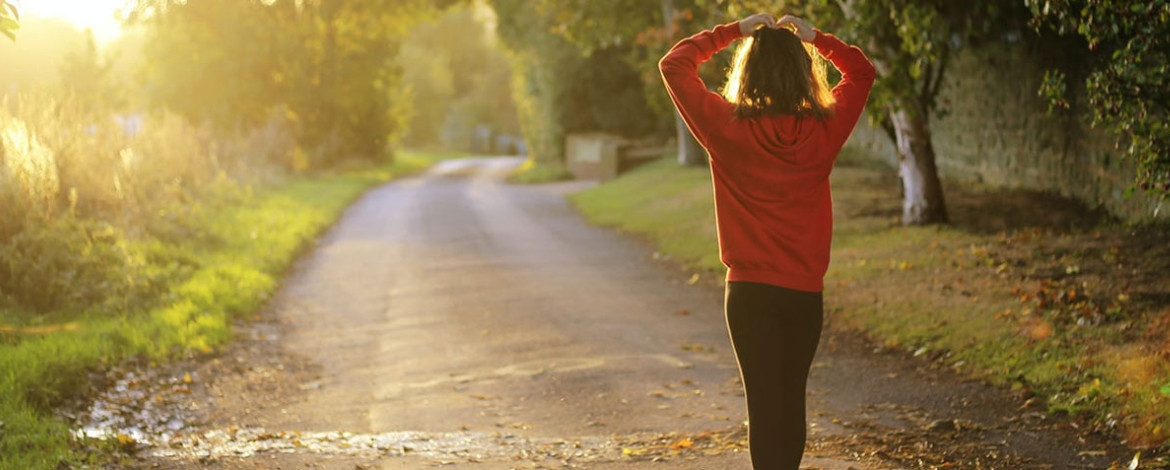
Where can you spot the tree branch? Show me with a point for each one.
(927, 81)
(943, 62)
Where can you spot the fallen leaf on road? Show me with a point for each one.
(684, 443)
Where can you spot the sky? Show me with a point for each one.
(97, 15)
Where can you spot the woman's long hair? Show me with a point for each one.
(776, 73)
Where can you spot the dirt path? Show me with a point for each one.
(454, 320)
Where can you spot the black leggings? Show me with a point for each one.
(775, 333)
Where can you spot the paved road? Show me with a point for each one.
(453, 319)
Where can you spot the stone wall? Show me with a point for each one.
(995, 129)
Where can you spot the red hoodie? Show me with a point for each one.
(773, 207)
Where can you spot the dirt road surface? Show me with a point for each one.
(452, 320)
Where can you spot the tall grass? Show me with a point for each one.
(76, 186)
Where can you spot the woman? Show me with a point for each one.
(772, 143)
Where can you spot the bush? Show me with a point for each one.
(88, 202)
(66, 264)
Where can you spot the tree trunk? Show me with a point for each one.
(690, 153)
(923, 203)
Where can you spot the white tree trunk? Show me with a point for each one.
(923, 201)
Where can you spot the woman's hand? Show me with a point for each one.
(748, 25)
(804, 30)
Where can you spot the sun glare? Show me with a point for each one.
(96, 15)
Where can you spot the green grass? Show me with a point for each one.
(531, 173)
(236, 261)
(950, 293)
(669, 204)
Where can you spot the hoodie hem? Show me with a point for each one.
(781, 279)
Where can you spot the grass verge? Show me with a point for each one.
(1024, 290)
(531, 173)
(231, 265)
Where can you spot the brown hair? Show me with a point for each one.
(776, 73)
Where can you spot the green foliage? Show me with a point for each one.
(640, 35)
(458, 79)
(69, 264)
(9, 19)
(911, 42)
(1127, 89)
(326, 66)
(536, 54)
(558, 89)
(76, 194)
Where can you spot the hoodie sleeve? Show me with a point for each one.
(857, 76)
(700, 108)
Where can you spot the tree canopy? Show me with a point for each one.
(560, 89)
(457, 79)
(1128, 88)
(325, 67)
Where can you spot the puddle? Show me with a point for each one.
(138, 406)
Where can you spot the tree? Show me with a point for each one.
(325, 65)
(458, 79)
(558, 89)
(535, 53)
(1128, 88)
(9, 19)
(646, 30)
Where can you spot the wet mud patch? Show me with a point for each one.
(145, 406)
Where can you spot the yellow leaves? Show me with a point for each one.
(187, 378)
(696, 348)
(684, 443)
(693, 280)
(665, 446)
(125, 441)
